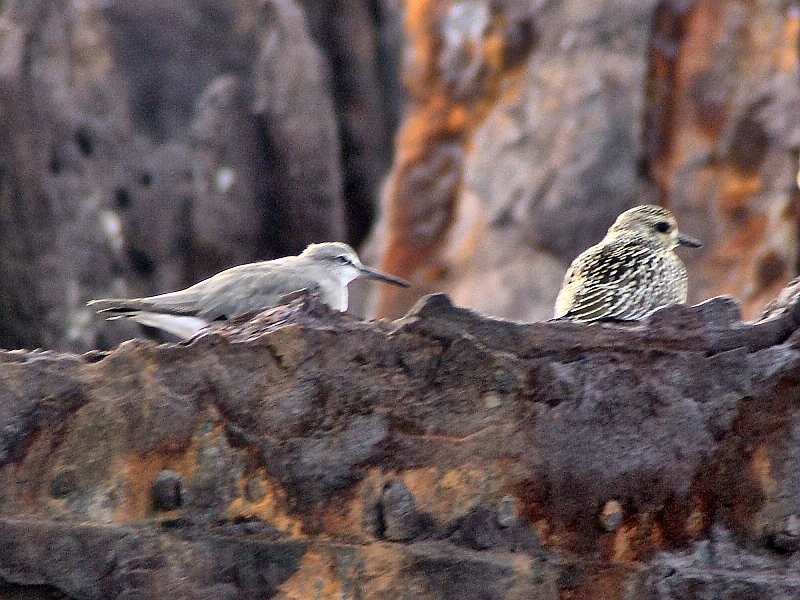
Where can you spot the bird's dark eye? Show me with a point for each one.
(343, 259)
(662, 227)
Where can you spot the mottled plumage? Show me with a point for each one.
(630, 273)
(322, 268)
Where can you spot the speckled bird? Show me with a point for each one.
(630, 273)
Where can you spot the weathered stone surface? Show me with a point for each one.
(308, 454)
(722, 132)
(531, 125)
(718, 568)
(145, 146)
(346, 32)
(443, 454)
(234, 205)
(119, 561)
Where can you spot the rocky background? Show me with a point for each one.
(473, 147)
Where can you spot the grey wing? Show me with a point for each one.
(207, 297)
(173, 303)
(245, 291)
(234, 292)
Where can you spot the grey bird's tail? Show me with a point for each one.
(142, 311)
(174, 303)
(117, 306)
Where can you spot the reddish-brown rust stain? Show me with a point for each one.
(680, 72)
(271, 508)
(690, 104)
(771, 269)
(29, 474)
(600, 581)
(640, 538)
(663, 85)
(739, 481)
(681, 521)
(761, 470)
(424, 184)
(316, 577)
(533, 495)
(788, 54)
(381, 566)
(138, 472)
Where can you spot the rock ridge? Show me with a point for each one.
(307, 453)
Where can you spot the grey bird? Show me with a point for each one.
(628, 274)
(325, 269)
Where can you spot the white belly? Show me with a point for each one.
(337, 298)
(333, 293)
(183, 326)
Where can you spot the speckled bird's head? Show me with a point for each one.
(655, 224)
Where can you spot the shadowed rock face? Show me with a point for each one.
(143, 147)
(444, 454)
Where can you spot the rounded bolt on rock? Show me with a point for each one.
(167, 493)
(611, 515)
(398, 511)
(507, 511)
(64, 483)
(254, 490)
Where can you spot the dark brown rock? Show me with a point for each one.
(59, 134)
(233, 210)
(168, 53)
(346, 33)
(309, 443)
(479, 529)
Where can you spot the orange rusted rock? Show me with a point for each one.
(721, 128)
(490, 198)
(451, 455)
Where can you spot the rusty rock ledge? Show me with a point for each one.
(307, 454)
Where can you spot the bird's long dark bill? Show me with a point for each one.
(375, 274)
(685, 240)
